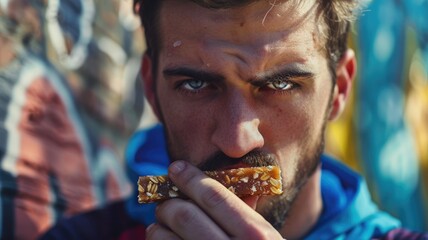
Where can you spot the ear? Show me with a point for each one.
(345, 74)
(149, 83)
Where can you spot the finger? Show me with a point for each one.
(187, 220)
(157, 231)
(224, 207)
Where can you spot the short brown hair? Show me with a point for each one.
(336, 15)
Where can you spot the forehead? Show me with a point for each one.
(261, 26)
(263, 14)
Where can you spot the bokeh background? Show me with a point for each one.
(87, 54)
(384, 131)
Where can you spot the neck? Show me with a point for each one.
(306, 209)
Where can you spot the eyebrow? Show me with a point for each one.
(282, 74)
(260, 80)
(193, 73)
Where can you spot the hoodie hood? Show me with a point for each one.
(348, 210)
(146, 154)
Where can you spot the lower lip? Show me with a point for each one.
(251, 201)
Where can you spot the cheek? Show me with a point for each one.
(293, 133)
(287, 125)
(188, 130)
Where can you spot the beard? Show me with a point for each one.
(275, 209)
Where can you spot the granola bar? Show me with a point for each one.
(241, 181)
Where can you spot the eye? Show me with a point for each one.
(193, 84)
(280, 85)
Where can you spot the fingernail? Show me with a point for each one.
(177, 167)
(150, 227)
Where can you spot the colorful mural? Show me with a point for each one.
(70, 99)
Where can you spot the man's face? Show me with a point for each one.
(233, 81)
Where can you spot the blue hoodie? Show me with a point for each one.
(348, 213)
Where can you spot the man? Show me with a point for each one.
(239, 79)
(248, 83)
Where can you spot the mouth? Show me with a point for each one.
(234, 166)
(255, 158)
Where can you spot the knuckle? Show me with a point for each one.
(180, 213)
(185, 215)
(186, 177)
(213, 197)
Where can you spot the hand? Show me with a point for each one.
(212, 212)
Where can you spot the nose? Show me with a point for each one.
(237, 127)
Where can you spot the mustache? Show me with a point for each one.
(255, 158)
